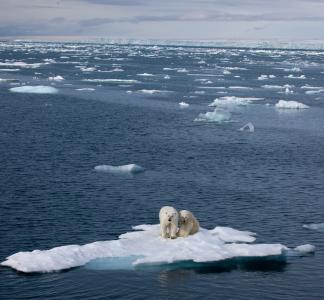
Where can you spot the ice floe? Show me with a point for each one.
(36, 89)
(21, 64)
(56, 78)
(145, 74)
(229, 101)
(218, 115)
(315, 226)
(151, 92)
(183, 104)
(124, 169)
(145, 247)
(86, 89)
(290, 105)
(112, 80)
(247, 127)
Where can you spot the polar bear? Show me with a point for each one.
(169, 219)
(188, 224)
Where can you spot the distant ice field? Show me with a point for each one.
(97, 137)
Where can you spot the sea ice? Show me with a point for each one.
(183, 104)
(315, 226)
(37, 89)
(247, 127)
(290, 104)
(56, 78)
(229, 101)
(218, 115)
(144, 246)
(112, 80)
(125, 169)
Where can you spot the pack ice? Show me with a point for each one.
(144, 246)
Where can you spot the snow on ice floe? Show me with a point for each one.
(56, 78)
(247, 127)
(218, 115)
(290, 105)
(37, 89)
(291, 76)
(229, 101)
(124, 169)
(144, 247)
(315, 226)
(9, 70)
(183, 104)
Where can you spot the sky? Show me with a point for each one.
(290, 20)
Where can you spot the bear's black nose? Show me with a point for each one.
(169, 219)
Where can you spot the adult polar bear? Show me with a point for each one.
(188, 224)
(169, 219)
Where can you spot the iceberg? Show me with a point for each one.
(144, 247)
(247, 127)
(125, 169)
(314, 226)
(218, 115)
(37, 89)
(290, 105)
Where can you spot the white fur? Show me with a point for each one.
(188, 223)
(169, 219)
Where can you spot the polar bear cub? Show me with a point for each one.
(188, 223)
(169, 219)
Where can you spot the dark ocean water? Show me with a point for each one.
(270, 181)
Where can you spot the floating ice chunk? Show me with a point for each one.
(247, 127)
(218, 115)
(263, 77)
(86, 89)
(240, 88)
(21, 64)
(182, 70)
(228, 101)
(89, 69)
(199, 92)
(302, 250)
(9, 70)
(145, 246)
(314, 226)
(183, 104)
(37, 89)
(295, 69)
(291, 76)
(226, 72)
(290, 105)
(56, 78)
(125, 169)
(166, 77)
(313, 92)
(145, 74)
(151, 92)
(112, 80)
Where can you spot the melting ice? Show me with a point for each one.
(144, 246)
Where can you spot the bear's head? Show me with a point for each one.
(170, 216)
(185, 217)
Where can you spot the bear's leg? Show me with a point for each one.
(173, 231)
(164, 233)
